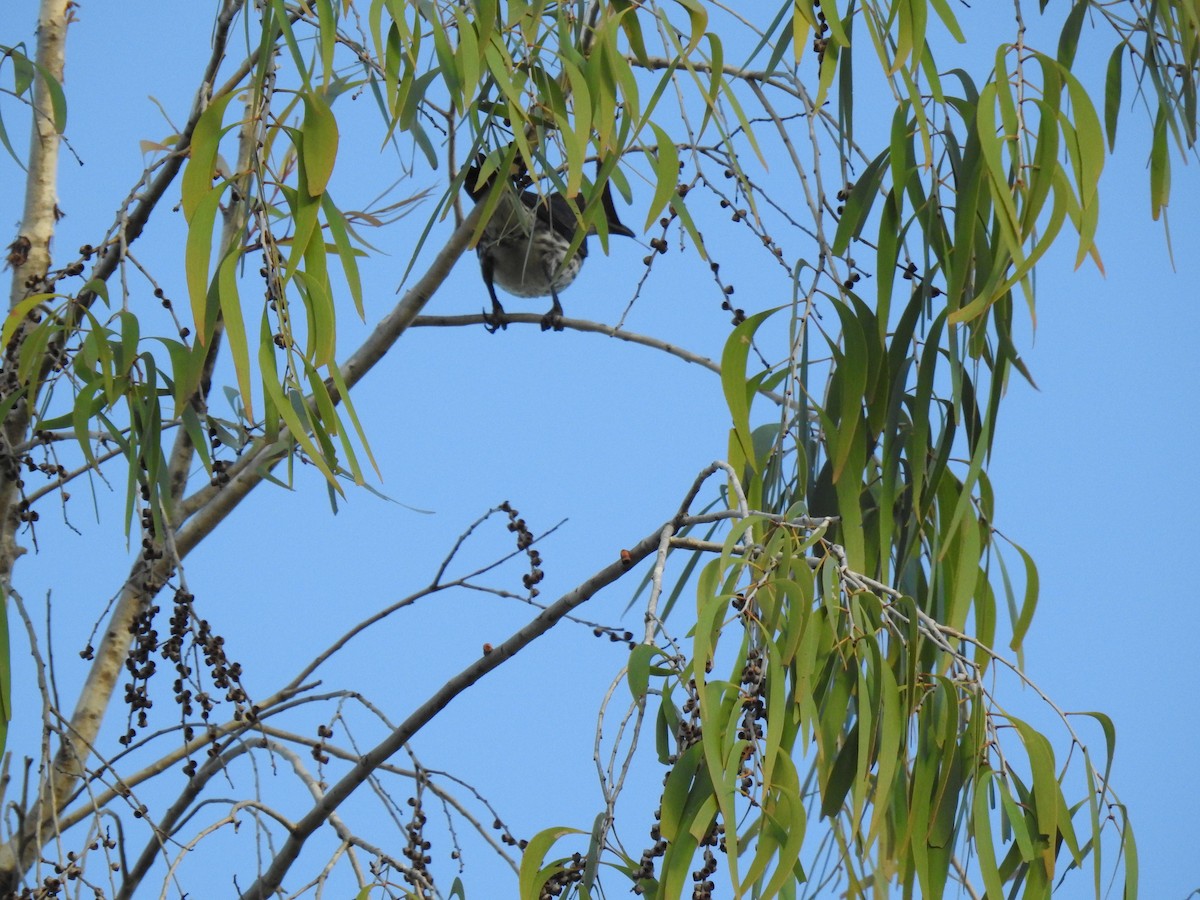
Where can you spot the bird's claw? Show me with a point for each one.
(492, 321)
(554, 318)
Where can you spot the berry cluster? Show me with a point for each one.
(525, 542)
(821, 41)
(416, 850)
(65, 873)
(506, 836)
(702, 877)
(687, 734)
(754, 713)
(571, 873)
(615, 635)
(189, 636)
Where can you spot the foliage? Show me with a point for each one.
(832, 717)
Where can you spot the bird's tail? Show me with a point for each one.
(615, 226)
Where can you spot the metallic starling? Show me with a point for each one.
(523, 248)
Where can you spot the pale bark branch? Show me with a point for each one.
(145, 579)
(31, 263)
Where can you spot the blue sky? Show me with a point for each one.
(1092, 472)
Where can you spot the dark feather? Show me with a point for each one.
(556, 212)
(527, 255)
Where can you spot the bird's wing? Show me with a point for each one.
(553, 211)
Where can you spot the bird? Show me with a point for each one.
(524, 245)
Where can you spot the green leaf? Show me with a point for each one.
(346, 253)
(235, 327)
(532, 876)
(319, 147)
(666, 726)
(58, 100)
(87, 404)
(946, 14)
(638, 669)
(676, 791)
(320, 393)
(327, 23)
(840, 775)
(968, 545)
(981, 820)
(716, 785)
(1068, 39)
(197, 180)
(698, 15)
(197, 254)
(293, 414)
(1160, 166)
(197, 432)
(16, 315)
(1045, 166)
(734, 380)
(348, 404)
(1110, 739)
(9, 147)
(910, 41)
(23, 71)
(187, 365)
(318, 300)
(991, 144)
(1045, 785)
(1129, 846)
(666, 173)
(306, 224)
(1066, 828)
(891, 726)
(676, 867)
(467, 56)
(626, 15)
(283, 21)
(1089, 140)
(1029, 606)
(857, 206)
(785, 808)
(1112, 93)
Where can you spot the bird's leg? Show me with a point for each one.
(553, 319)
(493, 321)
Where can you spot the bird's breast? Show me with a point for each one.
(529, 266)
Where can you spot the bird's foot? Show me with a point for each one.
(554, 318)
(492, 321)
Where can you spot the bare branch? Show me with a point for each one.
(588, 326)
(270, 880)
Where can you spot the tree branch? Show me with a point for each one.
(255, 464)
(586, 325)
(270, 880)
(30, 260)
